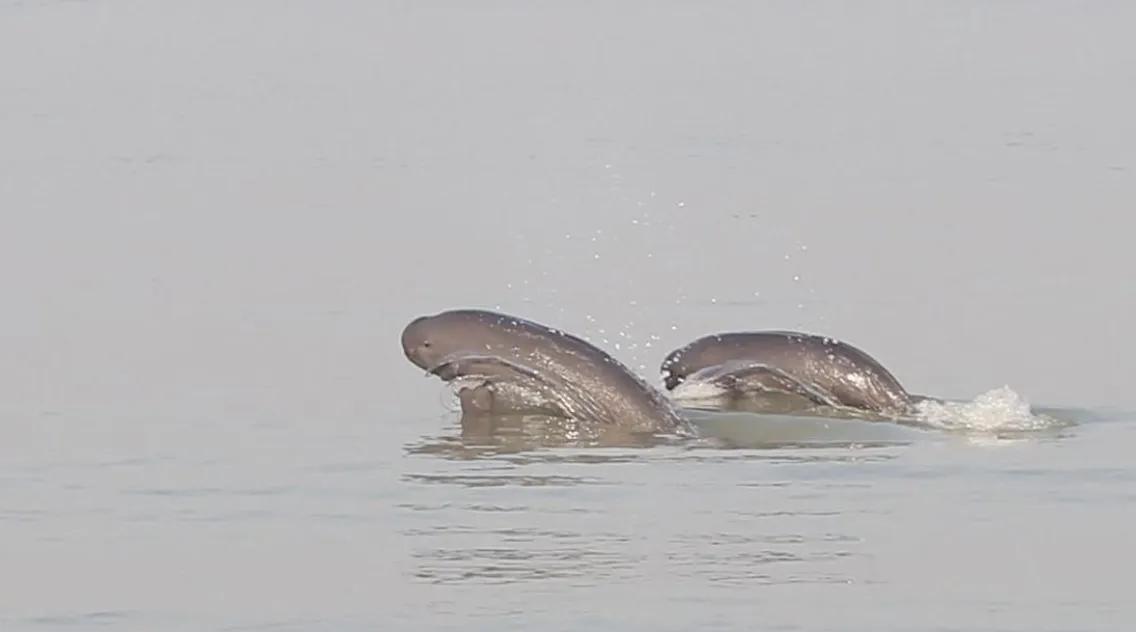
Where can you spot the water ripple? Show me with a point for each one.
(472, 480)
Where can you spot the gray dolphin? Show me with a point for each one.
(799, 370)
(505, 364)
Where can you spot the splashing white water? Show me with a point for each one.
(995, 411)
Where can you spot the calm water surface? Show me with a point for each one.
(217, 218)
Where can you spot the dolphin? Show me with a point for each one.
(788, 371)
(505, 364)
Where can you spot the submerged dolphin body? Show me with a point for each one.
(505, 364)
(788, 371)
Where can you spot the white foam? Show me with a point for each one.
(995, 411)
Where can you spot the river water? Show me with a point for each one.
(217, 218)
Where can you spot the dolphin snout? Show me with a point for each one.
(414, 340)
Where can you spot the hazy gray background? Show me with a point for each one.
(217, 216)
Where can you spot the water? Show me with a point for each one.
(218, 218)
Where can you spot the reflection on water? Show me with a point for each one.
(759, 500)
(522, 439)
(84, 620)
(521, 554)
(996, 416)
(512, 500)
(471, 542)
(498, 481)
(479, 436)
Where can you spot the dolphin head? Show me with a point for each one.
(424, 342)
(673, 370)
(431, 341)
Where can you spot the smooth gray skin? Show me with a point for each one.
(819, 369)
(514, 365)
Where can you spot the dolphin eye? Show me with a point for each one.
(425, 343)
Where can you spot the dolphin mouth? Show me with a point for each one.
(446, 370)
(670, 378)
(462, 365)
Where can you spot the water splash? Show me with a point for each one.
(1001, 410)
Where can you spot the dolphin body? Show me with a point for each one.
(505, 364)
(787, 371)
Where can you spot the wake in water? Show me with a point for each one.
(999, 411)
